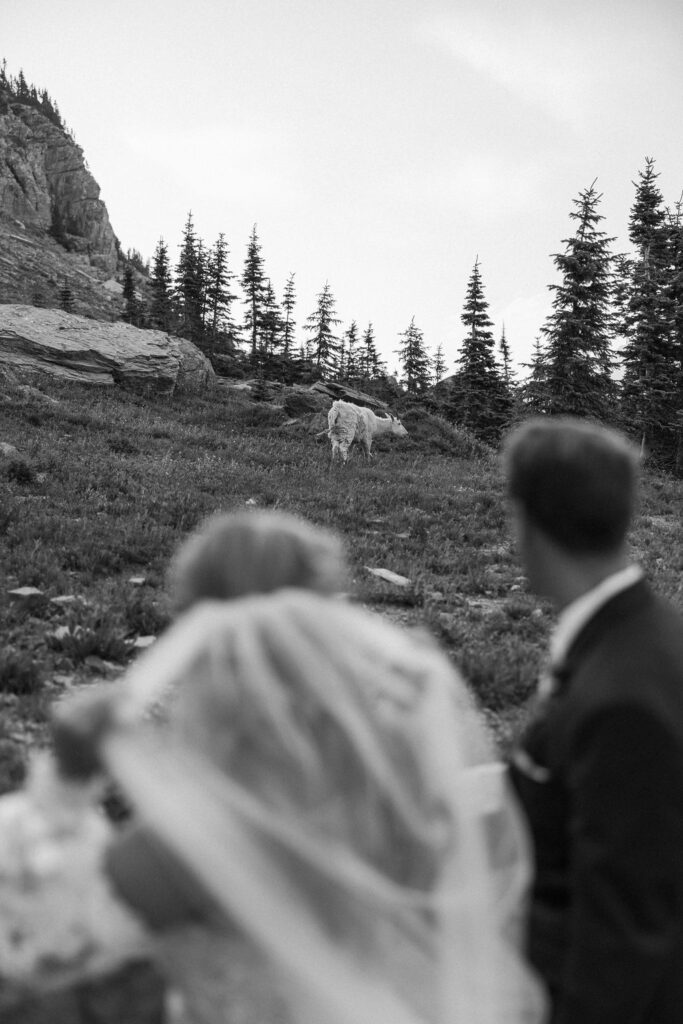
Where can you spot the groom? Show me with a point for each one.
(599, 770)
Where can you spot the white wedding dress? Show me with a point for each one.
(320, 933)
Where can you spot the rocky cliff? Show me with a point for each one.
(54, 228)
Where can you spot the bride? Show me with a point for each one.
(319, 833)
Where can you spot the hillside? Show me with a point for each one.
(99, 486)
(54, 228)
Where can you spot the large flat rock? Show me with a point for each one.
(36, 342)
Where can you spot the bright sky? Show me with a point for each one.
(380, 145)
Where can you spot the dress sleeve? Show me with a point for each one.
(147, 876)
(627, 869)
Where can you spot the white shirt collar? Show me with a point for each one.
(576, 615)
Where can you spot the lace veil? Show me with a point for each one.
(326, 779)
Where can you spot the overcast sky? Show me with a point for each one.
(380, 145)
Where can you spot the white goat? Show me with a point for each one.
(348, 423)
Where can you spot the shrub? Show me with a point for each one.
(144, 615)
(19, 673)
(102, 635)
(12, 765)
(20, 472)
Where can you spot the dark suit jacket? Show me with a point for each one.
(600, 775)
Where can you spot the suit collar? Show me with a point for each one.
(626, 601)
(578, 614)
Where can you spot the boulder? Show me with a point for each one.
(37, 343)
(301, 401)
(334, 390)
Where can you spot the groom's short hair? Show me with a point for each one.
(576, 480)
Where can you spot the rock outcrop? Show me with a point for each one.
(54, 228)
(45, 184)
(36, 343)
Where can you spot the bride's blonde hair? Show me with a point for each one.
(254, 552)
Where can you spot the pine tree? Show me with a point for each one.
(650, 385)
(219, 298)
(580, 330)
(253, 284)
(288, 322)
(369, 363)
(675, 226)
(66, 298)
(189, 286)
(133, 309)
(535, 391)
(478, 399)
(438, 364)
(161, 306)
(271, 322)
(413, 359)
(506, 360)
(351, 345)
(320, 325)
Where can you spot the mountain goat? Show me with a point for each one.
(348, 423)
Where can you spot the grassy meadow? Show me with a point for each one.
(106, 484)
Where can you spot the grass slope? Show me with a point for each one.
(107, 484)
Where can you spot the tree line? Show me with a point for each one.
(250, 331)
(611, 349)
(18, 89)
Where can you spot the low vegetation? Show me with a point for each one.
(106, 484)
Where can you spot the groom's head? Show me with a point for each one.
(573, 486)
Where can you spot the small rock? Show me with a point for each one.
(389, 576)
(8, 450)
(29, 597)
(251, 501)
(141, 642)
(64, 599)
(61, 632)
(64, 680)
(137, 581)
(96, 663)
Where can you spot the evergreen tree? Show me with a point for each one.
(438, 364)
(505, 358)
(161, 305)
(675, 226)
(650, 384)
(341, 371)
(271, 322)
(66, 298)
(133, 309)
(219, 298)
(320, 325)
(288, 322)
(535, 390)
(189, 286)
(579, 332)
(254, 286)
(479, 399)
(351, 345)
(369, 363)
(414, 360)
